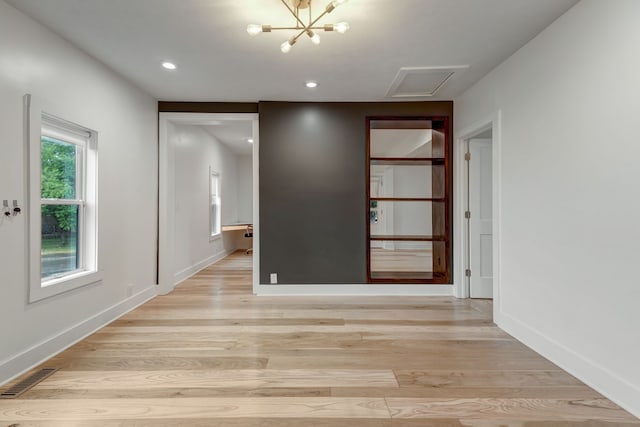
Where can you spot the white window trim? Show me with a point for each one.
(91, 273)
(215, 235)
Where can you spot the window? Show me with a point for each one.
(63, 217)
(214, 203)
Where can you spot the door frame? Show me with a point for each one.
(460, 188)
(166, 190)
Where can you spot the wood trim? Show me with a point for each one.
(407, 161)
(405, 276)
(368, 197)
(442, 253)
(207, 107)
(400, 123)
(409, 238)
(408, 199)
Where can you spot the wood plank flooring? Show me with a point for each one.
(212, 354)
(383, 260)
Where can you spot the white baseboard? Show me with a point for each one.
(598, 377)
(356, 289)
(19, 364)
(184, 274)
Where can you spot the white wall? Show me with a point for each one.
(411, 218)
(195, 150)
(245, 188)
(75, 87)
(570, 236)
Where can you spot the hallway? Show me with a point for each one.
(211, 354)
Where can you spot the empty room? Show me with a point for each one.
(317, 212)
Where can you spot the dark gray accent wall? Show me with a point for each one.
(207, 107)
(313, 209)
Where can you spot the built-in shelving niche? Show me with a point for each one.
(408, 200)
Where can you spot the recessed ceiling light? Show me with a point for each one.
(311, 84)
(169, 65)
(250, 140)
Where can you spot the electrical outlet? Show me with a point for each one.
(274, 278)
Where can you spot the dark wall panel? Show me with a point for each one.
(313, 187)
(207, 107)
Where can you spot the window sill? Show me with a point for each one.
(40, 291)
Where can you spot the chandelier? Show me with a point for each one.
(305, 23)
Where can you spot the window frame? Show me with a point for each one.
(216, 199)
(44, 124)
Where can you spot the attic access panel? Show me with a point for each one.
(415, 82)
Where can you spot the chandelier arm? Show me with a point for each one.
(318, 18)
(295, 39)
(293, 28)
(293, 13)
(298, 28)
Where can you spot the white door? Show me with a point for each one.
(480, 223)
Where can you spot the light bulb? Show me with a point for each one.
(315, 39)
(311, 84)
(341, 27)
(254, 29)
(169, 65)
(285, 47)
(337, 3)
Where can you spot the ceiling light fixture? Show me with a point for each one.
(295, 6)
(311, 84)
(169, 65)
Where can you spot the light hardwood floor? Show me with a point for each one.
(401, 259)
(211, 354)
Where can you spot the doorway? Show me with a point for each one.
(193, 148)
(477, 184)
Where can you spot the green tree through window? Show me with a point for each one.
(62, 201)
(59, 173)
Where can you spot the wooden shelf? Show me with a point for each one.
(424, 175)
(414, 276)
(407, 161)
(408, 199)
(407, 238)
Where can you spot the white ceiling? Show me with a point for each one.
(219, 61)
(233, 133)
(400, 142)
